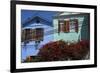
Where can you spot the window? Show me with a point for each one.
(68, 25)
(63, 26)
(32, 34)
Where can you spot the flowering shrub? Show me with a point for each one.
(78, 50)
(60, 50)
(51, 51)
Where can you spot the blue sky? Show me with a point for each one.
(28, 14)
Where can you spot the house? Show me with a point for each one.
(71, 27)
(41, 27)
(36, 31)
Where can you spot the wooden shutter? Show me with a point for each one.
(67, 26)
(61, 26)
(39, 34)
(27, 34)
(33, 34)
(64, 26)
(23, 35)
(76, 25)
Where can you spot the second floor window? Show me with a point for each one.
(32, 34)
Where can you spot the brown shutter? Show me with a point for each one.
(33, 34)
(67, 26)
(30, 34)
(60, 26)
(23, 35)
(27, 34)
(63, 26)
(76, 25)
(39, 34)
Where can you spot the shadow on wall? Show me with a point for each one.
(85, 35)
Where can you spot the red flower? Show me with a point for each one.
(60, 50)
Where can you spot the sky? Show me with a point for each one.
(29, 14)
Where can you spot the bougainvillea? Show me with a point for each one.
(51, 51)
(60, 50)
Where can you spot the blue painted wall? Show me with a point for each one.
(72, 36)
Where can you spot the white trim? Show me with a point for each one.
(51, 64)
